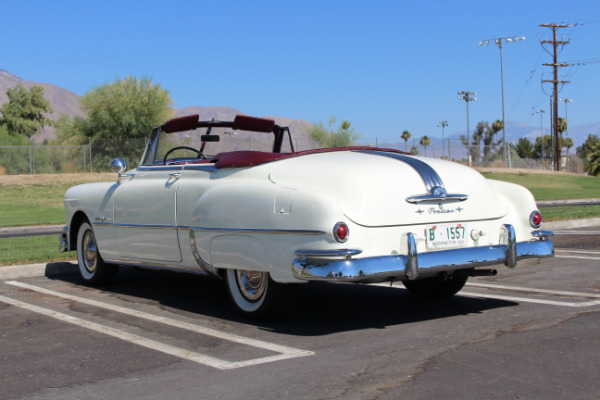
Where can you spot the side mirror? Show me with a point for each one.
(118, 166)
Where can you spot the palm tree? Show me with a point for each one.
(562, 125)
(425, 141)
(405, 135)
(593, 162)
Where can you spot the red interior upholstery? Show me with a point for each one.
(187, 123)
(249, 158)
(247, 123)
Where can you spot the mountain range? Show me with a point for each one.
(66, 102)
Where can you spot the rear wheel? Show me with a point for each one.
(438, 287)
(254, 294)
(92, 267)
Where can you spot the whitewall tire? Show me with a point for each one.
(92, 267)
(254, 294)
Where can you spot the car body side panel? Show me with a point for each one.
(95, 200)
(144, 215)
(238, 252)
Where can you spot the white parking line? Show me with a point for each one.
(578, 251)
(534, 290)
(577, 254)
(524, 299)
(285, 351)
(528, 300)
(561, 232)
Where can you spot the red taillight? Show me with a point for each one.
(341, 232)
(535, 219)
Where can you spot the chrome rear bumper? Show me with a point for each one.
(327, 266)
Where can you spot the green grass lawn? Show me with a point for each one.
(32, 249)
(553, 187)
(32, 205)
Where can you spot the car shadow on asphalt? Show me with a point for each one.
(315, 309)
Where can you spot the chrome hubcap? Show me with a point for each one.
(90, 251)
(252, 284)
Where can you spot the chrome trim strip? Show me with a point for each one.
(412, 265)
(434, 197)
(247, 231)
(167, 227)
(430, 178)
(434, 185)
(218, 230)
(160, 168)
(206, 267)
(346, 253)
(96, 223)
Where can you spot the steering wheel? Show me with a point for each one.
(200, 155)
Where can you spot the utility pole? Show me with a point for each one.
(555, 64)
(541, 135)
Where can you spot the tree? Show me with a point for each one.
(474, 145)
(405, 135)
(343, 136)
(592, 162)
(591, 144)
(524, 148)
(566, 142)
(562, 125)
(425, 141)
(414, 150)
(118, 116)
(547, 147)
(23, 114)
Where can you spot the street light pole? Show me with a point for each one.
(541, 112)
(443, 124)
(498, 41)
(467, 97)
(566, 116)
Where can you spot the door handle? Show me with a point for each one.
(176, 175)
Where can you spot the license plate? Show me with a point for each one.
(444, 236)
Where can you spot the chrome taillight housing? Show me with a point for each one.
(535, 219)
(341, 232)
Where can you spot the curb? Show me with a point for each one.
(570, 224)
(34, 270)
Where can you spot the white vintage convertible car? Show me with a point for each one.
(264, 220)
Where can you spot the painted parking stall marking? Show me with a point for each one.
(533, 291)
(284, 352)
(578, 254)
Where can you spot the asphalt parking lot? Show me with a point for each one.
(528, 333)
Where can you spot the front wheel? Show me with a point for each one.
(254, 294)
(92, 268)
(439, 287)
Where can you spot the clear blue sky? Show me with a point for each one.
(385, 66)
